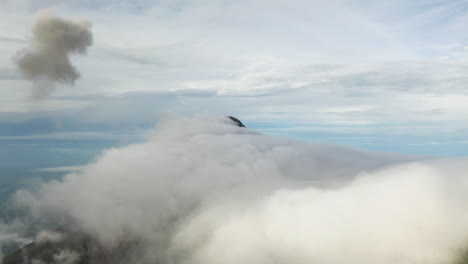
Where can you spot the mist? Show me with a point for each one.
(46, 62)
(203, 190)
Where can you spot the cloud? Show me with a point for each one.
(66, 257)
(47, 62)
(79, 135)
(12, 234)
(62, 169)
(48, 237)
(202, 190)
(15, 40)
(397, 215)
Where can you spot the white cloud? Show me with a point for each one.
(203, 190)
(62, 169)
(11, 233)
(80, 135)
(66, 257)
(367, 221)
(45, 236)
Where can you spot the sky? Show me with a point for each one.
(379, 75)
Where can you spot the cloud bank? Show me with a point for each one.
(202, 190)
(47, 61)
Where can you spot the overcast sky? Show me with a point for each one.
(387, 75)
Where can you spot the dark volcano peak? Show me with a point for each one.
(236, 121)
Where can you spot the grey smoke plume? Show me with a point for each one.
(204, 191)
(47, 60)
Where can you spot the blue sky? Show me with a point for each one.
(371, 74)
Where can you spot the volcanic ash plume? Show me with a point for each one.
(206, 191)
(47, 60)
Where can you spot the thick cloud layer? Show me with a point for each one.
(205, 191)
(47, 60)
